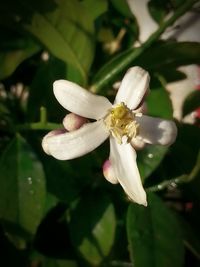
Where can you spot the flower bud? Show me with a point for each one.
(73, 122)
(108, 172)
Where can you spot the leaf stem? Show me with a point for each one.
(38, 126)
(43, 123)
(185, 178)
(136, 52)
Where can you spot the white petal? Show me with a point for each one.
(52, 133)
(77, 143)
(133, 87)
(179, 90)
(145, 22)
(156, 131)
(80, 101)
(123, 161)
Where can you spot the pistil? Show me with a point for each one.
(121, 122)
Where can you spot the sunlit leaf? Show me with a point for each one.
(92, 227)
(22, 188)
(154, 235)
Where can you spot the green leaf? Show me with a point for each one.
(22, 188)
(154, 235)
(169, 55)
(67, 32)
(149, 158)
(10, 60)
(95, 8)
(92, 227)
(122, 7)
(158, 10)
(191, 103)
(157, 58)
(158, 101)
(65, 28)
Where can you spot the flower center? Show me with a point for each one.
(121, 122)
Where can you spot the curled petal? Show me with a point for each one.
(123, 161)
(133, 87)
(108, 172)
(76, 143)
(52, 133)
(79, 101)
(156, 131)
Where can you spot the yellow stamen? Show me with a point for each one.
(120, 121)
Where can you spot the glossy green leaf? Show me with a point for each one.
(169, 55)
(149, 158)
(158, 102)
(92, 227)
(22, 188)
(68, 34)
(154, 235)
(191, 103)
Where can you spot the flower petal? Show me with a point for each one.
(145, 22)
(52, 133)
(133, 87)
(156, 130)
(79, 101)
(76, 143)
(123, 161)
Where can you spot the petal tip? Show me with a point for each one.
(170, 133)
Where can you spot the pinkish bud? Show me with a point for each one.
(73, 122)
(108, 172)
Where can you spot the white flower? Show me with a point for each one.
(117, 121)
